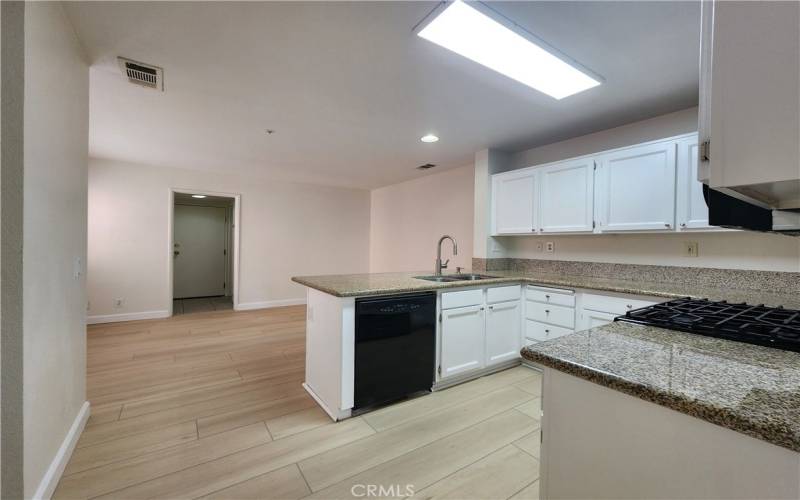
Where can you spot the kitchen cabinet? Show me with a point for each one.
(635, 188)
(549, 313)
(749, 100)
(566, 196)
(479, 328)
(692, 211)
(514, 202)
(592, 319)
(599, 309)
(462, 338)
(502, 331)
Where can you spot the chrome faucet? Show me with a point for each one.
(439, 264)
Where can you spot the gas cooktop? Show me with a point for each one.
(767, 326)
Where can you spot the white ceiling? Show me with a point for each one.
(349, 89)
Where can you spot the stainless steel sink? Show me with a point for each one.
(449, 278)
(472, 277)
(440, 279)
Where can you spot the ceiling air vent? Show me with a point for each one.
(426, 166)
(142, 74)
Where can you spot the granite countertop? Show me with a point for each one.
(750, 389)
(361, 285)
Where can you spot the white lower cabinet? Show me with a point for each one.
(502, 331)
(482, 327)
(462, 340)
(601, 309)
(592, 319)
(479, 335)
(549, 313)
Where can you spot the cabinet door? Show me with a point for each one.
(754, 98)
(692, 210)
(503, 332)
(567, 196)
(462, 340)
(592, 319)
(635, 189)
(513, 198)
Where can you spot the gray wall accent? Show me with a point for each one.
(12, 91)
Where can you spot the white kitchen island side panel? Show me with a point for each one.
(330, 352)
(601, 443)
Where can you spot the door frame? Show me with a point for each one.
(237, 198)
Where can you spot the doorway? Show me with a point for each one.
(203, 250)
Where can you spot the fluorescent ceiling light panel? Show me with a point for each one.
(474, 35)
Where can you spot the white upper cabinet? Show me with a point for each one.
(635, 188)
(749, 99)
(567, 195)
(514, 202)
(692, 211)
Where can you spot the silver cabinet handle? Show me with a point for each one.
(629, 306)
(683, 224)
(491, 308)
(547, 331)
(667, 225)
(547, 311)
(547, 297)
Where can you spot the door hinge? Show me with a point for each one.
(594, 224)
(440, 317)
(224, 251)
(595, 166)
(224, 284)
(439, 369)
(705, 151)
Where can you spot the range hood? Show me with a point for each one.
(733, 213)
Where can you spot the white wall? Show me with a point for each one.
(407, 220)
(735, 250)
(287, 229)
(54, 235)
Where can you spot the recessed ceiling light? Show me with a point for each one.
(471, 33)
(429, 138)
(198, 196)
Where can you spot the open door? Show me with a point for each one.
(200, 255)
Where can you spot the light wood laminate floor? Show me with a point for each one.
(210, 405)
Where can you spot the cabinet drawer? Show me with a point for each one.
(555, 296)
(613, 304)
(549, 313)
(463, 298)
(535, 330)
(502, 294)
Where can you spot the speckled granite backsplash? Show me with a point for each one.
(783, 282)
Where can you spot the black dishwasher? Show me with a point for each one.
(395, 347)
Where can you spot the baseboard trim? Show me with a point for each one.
(248, 306)
(115, 318)
(48, 484)
(335, 415)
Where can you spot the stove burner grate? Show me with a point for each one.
(768, 326)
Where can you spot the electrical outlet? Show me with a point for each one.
(550, 247)
(691, 249)
(119, 303)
